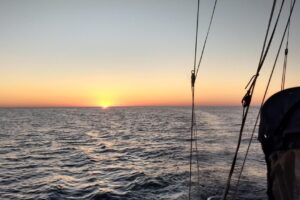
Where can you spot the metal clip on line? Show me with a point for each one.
(193, 78)
(286, 51)
(246, 99)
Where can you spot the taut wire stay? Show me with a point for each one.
(286, 51)
(286, 32)
(246, 102)
(194, 74)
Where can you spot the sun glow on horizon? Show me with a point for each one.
(105, 104)
(104, 107)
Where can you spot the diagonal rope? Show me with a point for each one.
(196, 40)
(206, 37)
(264, 97)
(248, 96)
(268, 29)
(286, 54)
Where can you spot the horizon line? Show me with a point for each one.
(130, 106)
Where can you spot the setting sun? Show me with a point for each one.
(105, 104)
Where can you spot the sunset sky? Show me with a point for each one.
(135, 52)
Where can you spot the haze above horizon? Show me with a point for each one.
(88, 53)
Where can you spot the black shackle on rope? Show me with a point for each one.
(193, 78)
(248, 96)
(247, 99)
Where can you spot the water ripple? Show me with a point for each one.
(120, 153)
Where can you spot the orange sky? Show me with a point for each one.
(134, 53)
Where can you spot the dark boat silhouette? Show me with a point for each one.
(279, 134)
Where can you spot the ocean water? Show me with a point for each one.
(123, 153)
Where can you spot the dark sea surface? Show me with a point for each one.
(123, 153)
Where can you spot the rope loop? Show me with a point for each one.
(251, 80)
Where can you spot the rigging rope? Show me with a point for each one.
(207, 33)
(246, 101)
(192, 133)
(193, 79)
(194, 74)
(286, 54)
(265, 94)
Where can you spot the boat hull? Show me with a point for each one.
(285, 175)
